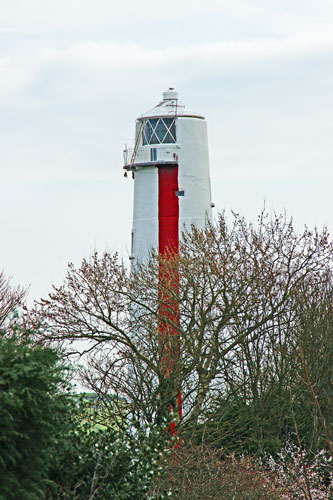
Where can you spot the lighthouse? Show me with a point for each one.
(170, 166)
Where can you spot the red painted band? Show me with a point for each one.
(168, 243)
(168, 209)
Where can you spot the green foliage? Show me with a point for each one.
(104, 462)
(254, 317)
(31, 409)
(256, 427)
(282, 384)
(56, 446)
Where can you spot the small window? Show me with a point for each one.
(153, 154)
(132, 238)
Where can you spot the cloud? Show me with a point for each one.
(14, 76)
(121, 62)
(45, 16)
(105, 55)
(93, 16)
(74, 74)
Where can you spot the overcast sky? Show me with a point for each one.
(74, 75)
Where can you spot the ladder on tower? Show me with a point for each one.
(132, 160)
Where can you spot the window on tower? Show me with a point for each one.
(153, 154)
(159, 131)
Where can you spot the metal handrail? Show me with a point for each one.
(138, 137)
(128, 153)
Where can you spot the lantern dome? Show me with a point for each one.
(170, 106)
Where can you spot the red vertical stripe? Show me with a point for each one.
(168, 241)
(168, 209)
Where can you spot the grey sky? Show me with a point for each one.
(75, 74)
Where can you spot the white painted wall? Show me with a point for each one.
(193, 172)
(145, 212)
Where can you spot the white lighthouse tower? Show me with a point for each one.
(170, 167)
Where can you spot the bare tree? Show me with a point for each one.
(10, 299)
(236, 285)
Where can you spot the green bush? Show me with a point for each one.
(240, 427)
(31, 412)
(53, 446)
(105, 461)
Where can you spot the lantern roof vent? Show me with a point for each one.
(170, 94)
(170, 106)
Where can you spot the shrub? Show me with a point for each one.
(301, 474)
(31, 409)
(198, 473)
(104, 461)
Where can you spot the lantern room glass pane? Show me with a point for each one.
(172, 131)
(168, 121)
(153, 122)
(168, 139)
(154, 140)
(159, 131)
(171, 135)
(147, 133)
